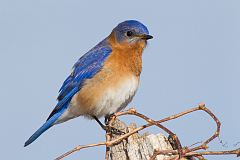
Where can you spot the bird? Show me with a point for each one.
(104, 80)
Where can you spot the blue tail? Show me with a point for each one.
(49, 123)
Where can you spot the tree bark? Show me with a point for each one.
(138, 147)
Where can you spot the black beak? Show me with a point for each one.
(146, 37)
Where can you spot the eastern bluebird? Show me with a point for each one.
(104, 80)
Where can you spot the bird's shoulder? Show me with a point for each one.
(86, 67)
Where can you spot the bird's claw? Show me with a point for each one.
(113, 130)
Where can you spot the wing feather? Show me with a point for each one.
(85, 68)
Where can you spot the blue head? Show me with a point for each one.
(131, 31)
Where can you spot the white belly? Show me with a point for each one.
(116, 98)
(112, 99)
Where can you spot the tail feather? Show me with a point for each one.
(49, 123)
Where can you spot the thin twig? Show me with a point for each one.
(185, 152)
(216, 133)
(107, 147)
(151, 121)
(78, 148)
(202, 107)
(175, 152)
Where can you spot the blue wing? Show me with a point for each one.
(85, 68)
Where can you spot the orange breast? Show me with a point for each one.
(123, 65)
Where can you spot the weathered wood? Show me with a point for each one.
(138, 147)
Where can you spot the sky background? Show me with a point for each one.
(194, 57)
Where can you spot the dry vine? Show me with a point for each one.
(178, 151)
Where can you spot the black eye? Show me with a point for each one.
(129, 33)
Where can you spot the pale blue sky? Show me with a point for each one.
(194, 57)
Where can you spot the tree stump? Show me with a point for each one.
(138, 147)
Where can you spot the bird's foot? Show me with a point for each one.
(108, 118)
(110, 129)
(113, 130)
(107, 127)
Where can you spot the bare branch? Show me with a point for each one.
(178, 151)
(175, 152)
(78, 148)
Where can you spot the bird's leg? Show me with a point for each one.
(108, 128)
(100, 123)
(113, 130)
